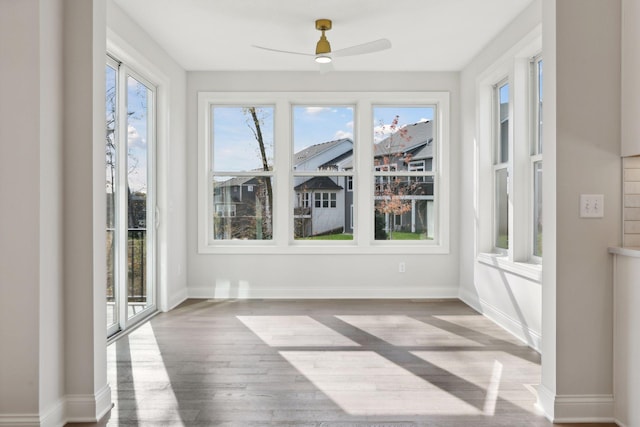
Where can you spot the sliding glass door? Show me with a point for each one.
(130, 225)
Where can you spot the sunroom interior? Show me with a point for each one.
(474, 68)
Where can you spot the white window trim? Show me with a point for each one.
(363, 242)
(515, 65)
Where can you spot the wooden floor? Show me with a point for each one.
(322, 363)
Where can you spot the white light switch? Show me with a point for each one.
(591, 205)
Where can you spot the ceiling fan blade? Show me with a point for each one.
(370, 47)
(282, 51)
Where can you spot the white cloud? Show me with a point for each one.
(350, 124)
(134, 139)
(316, 110)
(343, 134)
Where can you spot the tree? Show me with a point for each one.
(255, 124)
(392, 191)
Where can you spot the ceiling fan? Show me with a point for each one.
(324, 55)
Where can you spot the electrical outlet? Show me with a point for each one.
(591, 205)
(401, 267)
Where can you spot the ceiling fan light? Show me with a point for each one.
(323, 59)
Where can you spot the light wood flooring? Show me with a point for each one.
(322, 363)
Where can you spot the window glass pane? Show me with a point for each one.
(331, 217)
(537, 208)
(110, 164)
(322, 138)
(139, 99)
(242, 138)
(403, 209)
(241, 214)
(539, 106)
(503, 124)
(323, 141)
(501, 209)
(404, 142)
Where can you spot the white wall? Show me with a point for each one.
(21, 209)
(630, 77)
(130, 44)
(512, 300)
(582, 154)
(52, 366)
(51, 307)
(296, 276)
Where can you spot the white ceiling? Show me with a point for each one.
(427, 35)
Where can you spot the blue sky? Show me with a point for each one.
(236, 149)
(137, 129)
(137, 134)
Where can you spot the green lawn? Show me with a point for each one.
(404, 235)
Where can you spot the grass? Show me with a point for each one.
(396, 235)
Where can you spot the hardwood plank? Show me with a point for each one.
(322, 363)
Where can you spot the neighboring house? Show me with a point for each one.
(324, 204)
(410, 150)
(238, 211)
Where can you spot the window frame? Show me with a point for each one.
(500, 163)
(363, 242)
(536, 148)
(515, 65)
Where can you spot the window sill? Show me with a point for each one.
(525, 269)
(325, 249)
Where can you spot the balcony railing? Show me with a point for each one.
(136, 265)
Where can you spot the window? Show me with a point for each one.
(130, 192)
(301, 155)
(404, 191)
(241, 172)
(225, 210)
(536, 155)
(322, 164)
(501, 170)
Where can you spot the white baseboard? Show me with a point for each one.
(531, 337)
(56, 416)
(20, 420)
(324, 293)
(177, 298)
(88, 407)
(71, 408)
(582, 408)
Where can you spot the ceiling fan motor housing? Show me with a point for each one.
(323, 47)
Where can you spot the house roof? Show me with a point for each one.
(237, 181)
(417, 135)
(318, 183)
(314, 150)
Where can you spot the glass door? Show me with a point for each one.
(130, 154)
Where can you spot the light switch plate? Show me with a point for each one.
(591, 205)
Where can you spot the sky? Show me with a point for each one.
(236, 149)
(138, 97)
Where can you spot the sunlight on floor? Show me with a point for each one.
(485, 370)
(148, 373)
(294, 331)
(402, 330)
(365, 383)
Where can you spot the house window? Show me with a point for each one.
(300, 154)
(242, 158)
(536, 155)
(226, 210)
(404, 191)
(322, 165)
(500, 166)
(325, 200)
